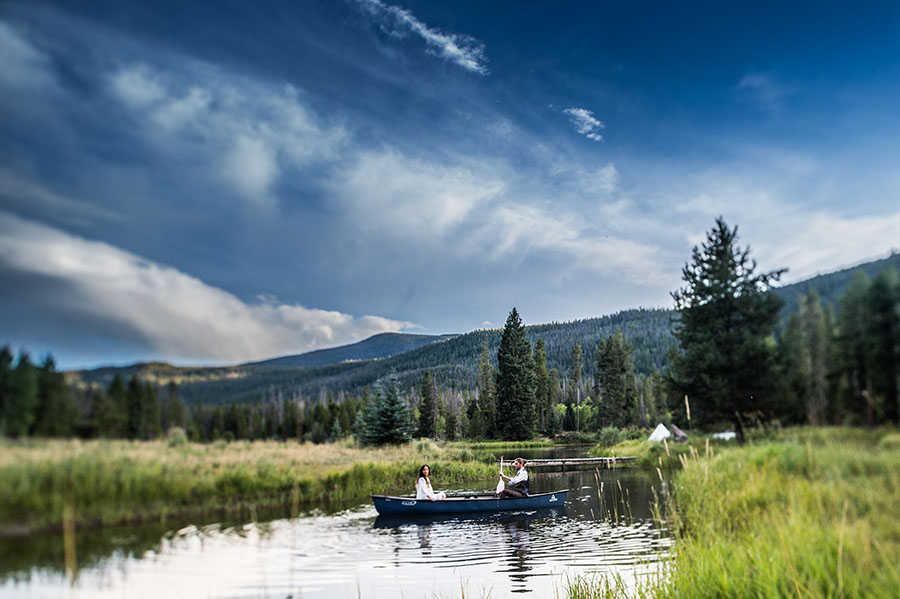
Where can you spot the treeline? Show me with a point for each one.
(844, 367)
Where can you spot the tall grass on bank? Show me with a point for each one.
(813, 513)
(105, 482)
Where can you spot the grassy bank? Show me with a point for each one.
(808, 513)
(106, 482)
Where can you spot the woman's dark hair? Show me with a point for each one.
(421, 473)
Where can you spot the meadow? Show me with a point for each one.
(92, 483)
(802, 513)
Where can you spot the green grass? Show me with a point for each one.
(106, 482)
(808, 513)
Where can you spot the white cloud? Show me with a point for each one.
(586, 123)
(780, 231)
(137, 87)
(395, 194)
(251, 166)
(463, 50)
(171, 312)
(250, 132)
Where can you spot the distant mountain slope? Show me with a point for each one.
(383, 345)
(451, 359)
(831, 286)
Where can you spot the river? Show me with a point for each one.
(348, 551)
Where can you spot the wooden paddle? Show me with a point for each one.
(500, 484)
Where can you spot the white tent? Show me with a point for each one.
(659, 433)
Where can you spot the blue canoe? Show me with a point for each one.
(407, 506)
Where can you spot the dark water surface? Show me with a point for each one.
(354, 553)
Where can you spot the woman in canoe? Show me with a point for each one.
(423, 486)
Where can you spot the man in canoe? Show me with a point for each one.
(516, 486)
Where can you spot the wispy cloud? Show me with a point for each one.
(585, 122)
(463, 50)
(763, 90)
(160, 308)
(248, 131)
(24, 66)
(29, 196)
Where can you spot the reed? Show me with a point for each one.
(806, 513)
(105, 482)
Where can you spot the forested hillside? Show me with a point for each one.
(383, 345)
(451, 360)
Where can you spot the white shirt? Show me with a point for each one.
(521, 475)
(423, 489)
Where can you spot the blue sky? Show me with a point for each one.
(225, 181)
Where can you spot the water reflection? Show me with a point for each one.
(606, 526)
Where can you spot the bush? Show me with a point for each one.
(176, 436)
(610, 436)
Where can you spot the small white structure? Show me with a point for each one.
(727, 436)
(659, 433)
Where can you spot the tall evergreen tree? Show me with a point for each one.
(542, 384)
(22, 400)
(725, 321)
(116, 423)
(173, 411)
(427, 409)
(487, 396)
(615, 381)
(136, 426)
(884, 342)
(515, 382)
(814, 357)
(387, 416)
(151, 427)
(289, 414)
(6, 362)
(854, 358)
(56, 413)
(577, 369)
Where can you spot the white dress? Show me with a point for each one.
(424, 490)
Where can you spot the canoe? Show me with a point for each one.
(408, 506)
(471, 518)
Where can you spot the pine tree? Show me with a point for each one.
(22, 400)
(427, 411)
(814, 354)
(173, 411)
(116, 423)
(854, 358)
(577, 369)
(6, 361)
(486, 393)
(615, 381)
(150, 421)
(542, 383)
(884, 342)
(289, 413)
(56, 413)
(724, 325)
(451, 421)
(515, 382)
(135, 427)
(388, 416)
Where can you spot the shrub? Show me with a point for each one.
(609, 436)
(176, 437)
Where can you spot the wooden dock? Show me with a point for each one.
(565, 463)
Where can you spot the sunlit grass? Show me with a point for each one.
(808, 513)
(115, 481)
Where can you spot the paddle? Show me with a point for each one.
(500, 485)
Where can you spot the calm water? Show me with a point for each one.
(353, 553)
